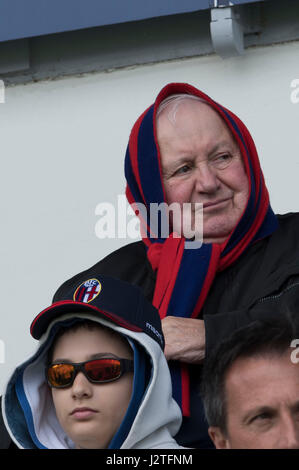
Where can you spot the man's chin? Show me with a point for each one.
(215, 237)
(217, 230)
(214, 240)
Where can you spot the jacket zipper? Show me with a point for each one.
(271, 297)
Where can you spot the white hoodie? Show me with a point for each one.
(152, 418)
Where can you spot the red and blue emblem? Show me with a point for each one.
(87, 291)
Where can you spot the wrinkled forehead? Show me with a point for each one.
(178, 113)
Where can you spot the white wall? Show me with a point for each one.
(62, 150)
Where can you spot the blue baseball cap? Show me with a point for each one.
(116, 301)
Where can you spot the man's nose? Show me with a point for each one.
(206, 178)
(81, 386)
(289, 434)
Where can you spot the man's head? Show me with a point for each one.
(250, 388)
(97, 374)
(84, 355)
(90, 413)
(201, 163)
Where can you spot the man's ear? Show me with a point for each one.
(218, 437)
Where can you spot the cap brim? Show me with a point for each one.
(43, 319)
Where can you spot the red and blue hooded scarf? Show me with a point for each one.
(184, 276)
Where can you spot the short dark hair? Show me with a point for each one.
(259, 338)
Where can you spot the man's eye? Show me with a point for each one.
(261, 417)
(182, 170)
(221, 161)
(226, 156)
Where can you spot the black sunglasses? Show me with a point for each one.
(108, 369)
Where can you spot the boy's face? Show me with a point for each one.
(100, 408)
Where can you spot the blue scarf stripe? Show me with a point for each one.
(148, 161)
(176, 378)
(132, 183)
(189, 282)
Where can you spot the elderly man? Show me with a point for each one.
(186, 148)
(250, 388)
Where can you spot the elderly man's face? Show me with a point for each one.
(201, 163)
(262, 404)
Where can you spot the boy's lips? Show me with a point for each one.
(83, 412)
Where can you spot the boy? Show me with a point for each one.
(99, 378)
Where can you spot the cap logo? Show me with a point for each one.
(87, 291)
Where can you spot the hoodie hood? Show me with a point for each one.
(152, 417)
